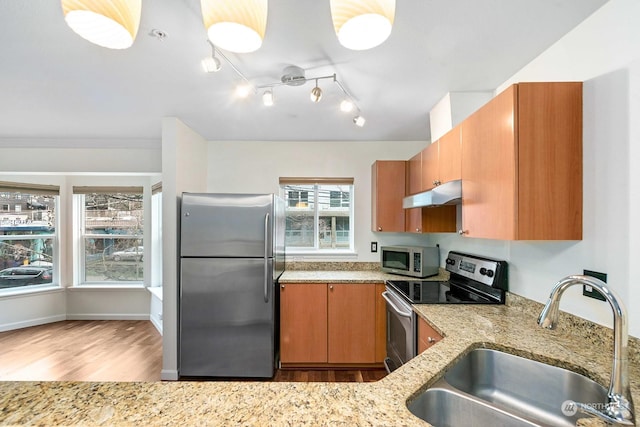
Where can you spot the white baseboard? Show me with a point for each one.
(107, 316)
(32, 322)
(169, 375)
(157, 323)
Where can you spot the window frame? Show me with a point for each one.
(42, 190)
(80, 261)
(318, 184)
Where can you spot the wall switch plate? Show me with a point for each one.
(374, 246)
(589, 291)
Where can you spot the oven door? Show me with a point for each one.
(401, 330)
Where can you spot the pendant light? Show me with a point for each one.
(108, 23)
(235, 25)
(362, 24)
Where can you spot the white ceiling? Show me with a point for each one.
(53, 84)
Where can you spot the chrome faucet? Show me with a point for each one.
(619, 408)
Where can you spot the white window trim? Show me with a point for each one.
(79, 278)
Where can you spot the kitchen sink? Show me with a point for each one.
(512, 389)
(443, 407)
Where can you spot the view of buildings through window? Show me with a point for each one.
(318, 216)
(112, 230)
(27, 237)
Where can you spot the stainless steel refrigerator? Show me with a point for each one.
(231, 255)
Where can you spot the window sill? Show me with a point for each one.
(29, 291)
(342, 255)
(105, 287)
(156, 291)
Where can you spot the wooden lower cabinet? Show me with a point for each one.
(427, 336)
(303, 323)
(330, 324)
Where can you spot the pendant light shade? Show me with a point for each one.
(362, 24)
(235, 25)
(107, 23)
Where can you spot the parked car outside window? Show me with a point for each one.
(24, 276)
(134, 253)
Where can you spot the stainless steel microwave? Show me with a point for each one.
(414, 261)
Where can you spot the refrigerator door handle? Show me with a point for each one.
(266, 258)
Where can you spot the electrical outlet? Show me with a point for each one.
(588, 291)
(374, 246)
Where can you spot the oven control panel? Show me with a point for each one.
(484, 270)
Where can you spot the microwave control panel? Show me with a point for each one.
(417, 262)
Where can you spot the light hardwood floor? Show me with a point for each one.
(112, 350)
(79, 350)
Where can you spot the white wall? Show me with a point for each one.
(184, 168)
(245, 167)
(604, 52)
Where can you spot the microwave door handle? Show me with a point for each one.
(393, 305)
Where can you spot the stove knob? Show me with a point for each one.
(489, 273)
(450, 261)
(483, 271)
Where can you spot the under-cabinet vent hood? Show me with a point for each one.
(449, 193)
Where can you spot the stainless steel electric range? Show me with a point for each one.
(473, 280)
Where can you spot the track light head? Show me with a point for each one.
(359, 120)
(243, 90)
(211, 64)
(267, 98)
(346, 106)
(316, 93)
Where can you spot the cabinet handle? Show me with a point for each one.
(463, 232)
(431, 340)
(282, 286)
(331, 287)
(417, 230)
(379, 228)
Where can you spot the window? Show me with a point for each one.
(111, 223)
(28, 236)
(319, 214)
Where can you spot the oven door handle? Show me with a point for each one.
(393, 305)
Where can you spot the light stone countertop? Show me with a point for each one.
(347, 276)
(576, 344)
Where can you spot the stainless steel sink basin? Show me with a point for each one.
(443, 407)
(499, 383)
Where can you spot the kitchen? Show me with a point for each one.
(608, 244)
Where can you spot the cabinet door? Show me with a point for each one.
(427, 336)
(430, 171)
(450, 155)
(381, 324)
(414, 174)
(413, 220)
(387, 191)
(489, 169)
(303, 323)
(351, 323)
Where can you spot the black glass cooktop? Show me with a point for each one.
(433, 292)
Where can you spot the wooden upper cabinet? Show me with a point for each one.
(522, 164)
(414, 174)
(430, 169)
(450, 155)
(387, 191)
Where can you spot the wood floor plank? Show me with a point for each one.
(113, 350)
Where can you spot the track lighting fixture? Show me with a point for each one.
(211, 64)
(359, 120)
(243, 90)
(267, 98)
(316, 93)
(346, 106)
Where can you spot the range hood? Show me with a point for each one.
(449, 193)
